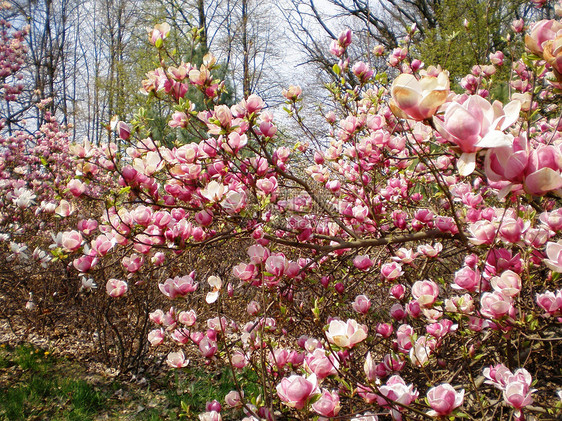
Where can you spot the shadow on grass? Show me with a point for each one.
(36, 386)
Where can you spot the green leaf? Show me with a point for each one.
(124, 190)
(336, 69)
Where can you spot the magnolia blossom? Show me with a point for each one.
(467, 279)
(328, 405)
(346, 334)
(178, 286)
(421, 351)
(214, 191)
(362, 262)
(391, 270)
(517, 390)
(116, 287)
(156, 337)
(444, 399)
(508, 284)
(425, 292)
(71, 240)
(177, 360)
(474, 124)
(216, 284)
(321, 364)
(554, 254)
(234, 399)
(210, 416)
(361, 304)
(395, 390)
(295, 391)
(419, 99)
(551, 302)
(495, 305)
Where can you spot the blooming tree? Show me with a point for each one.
(397, 268)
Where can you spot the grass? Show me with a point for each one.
(36, 390)
(36, 386)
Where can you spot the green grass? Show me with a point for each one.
(36, 386)
(38, 391)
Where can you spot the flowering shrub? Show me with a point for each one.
(396, 269)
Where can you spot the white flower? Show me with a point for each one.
(17, 252)
(214, 191)
(23, 198)
(216, 284)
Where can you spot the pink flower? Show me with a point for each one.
(362, 262)
(542, 32)
(177, 360)
(362, 71)
(543, 171)
(321, 364)
(258, 254)
(233, 399)
(295, 391)
(421, 351)
(156, 337)
(483, 232)
(397, 311)
(71, 240)
(132, 263)
(393, 363)
(497, 375)
(204, 217)
(207, 347)
(508, 284)
(419, 99)
(178, 286)
(361, 304)
(444, 399)
(404, 337)
(159, 33)
(495, 305)
(404, 255)
(292, 93)
(328, 405)
(76, 187)
(276, 264)
(210, 416)
(384, 329)
(187, 318)
(370, 368)
(425, 292)
(508, 163)
(517, 392)
(397, 291)
(85, 263)
(475, 124)
(102, 244)
(395, 390)
(440, 329)
(550, 302)
(391, 270)
(346, 334)
(244, 271)
(179, 119)
(552, 219)
(554, 254)
(518, 25)
(87, 226)
(116, 288)
(467, 278)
